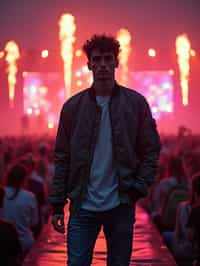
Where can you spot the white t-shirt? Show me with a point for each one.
(102, 190)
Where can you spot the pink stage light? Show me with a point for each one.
(152, 53)
(29, 111)
(171, 72)
(24, 74)
(43, 94)
(37, 112)
(157, 87)
(78, 73)
(33, 89)
(44, 53)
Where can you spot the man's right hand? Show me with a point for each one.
(58, 223)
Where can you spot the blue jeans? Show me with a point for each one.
(83, 230)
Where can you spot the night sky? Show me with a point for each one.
(152, 23)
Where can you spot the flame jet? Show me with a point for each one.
(12, 55)
(183, 51)
(67, 29)
(124, 38)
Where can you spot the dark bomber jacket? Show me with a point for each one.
(136, 146)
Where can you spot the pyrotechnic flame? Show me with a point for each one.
(67, 38)
(12, 55)
(183, 51)
(124, 38)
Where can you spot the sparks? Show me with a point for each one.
(67, 38)
(12, 55)
(183, 51)
(124, 38)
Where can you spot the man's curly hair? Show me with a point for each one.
(104, 43)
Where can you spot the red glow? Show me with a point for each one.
(37, 111)
(1, 54)
(78, 53)
(24, 74)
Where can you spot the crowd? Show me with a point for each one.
(173, 202)
(26, 170)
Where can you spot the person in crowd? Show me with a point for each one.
(193, 223)
(45, 163)
(20, 206)
(176, 176)
(178, 241)
(11, 253)
(191, 164)
(36, 185)
(151, 203)
(42, 173)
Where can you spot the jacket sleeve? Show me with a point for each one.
(148, 149)
(58, 195)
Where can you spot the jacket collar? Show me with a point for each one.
(114, 92)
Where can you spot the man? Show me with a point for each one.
(106, 153)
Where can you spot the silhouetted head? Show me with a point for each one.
(175, 168)
(16, 175)
(29, 162)
(191, 163)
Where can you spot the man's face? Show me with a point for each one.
(103, 65)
